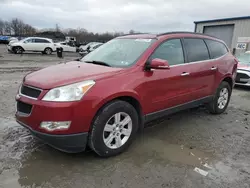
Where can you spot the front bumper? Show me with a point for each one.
(243, 77)
(72, 143)
(9, 48)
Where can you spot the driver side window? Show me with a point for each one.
(171, 50)
(29, 41)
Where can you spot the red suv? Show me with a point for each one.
(102, 100)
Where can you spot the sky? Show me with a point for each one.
(154, 16)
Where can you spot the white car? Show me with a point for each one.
(66, 47)
(243, 71)
(90, 48)
(34, 44)
(85, 47)
(12, 40)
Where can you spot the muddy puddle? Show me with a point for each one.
(27, 162)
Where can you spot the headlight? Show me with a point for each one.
(73, 92)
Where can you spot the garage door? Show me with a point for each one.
(223, 32)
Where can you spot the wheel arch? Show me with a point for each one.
(229, 80)
(47, 48)
(18, 47)
(128, 97)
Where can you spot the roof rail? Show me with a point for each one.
(134, 34)
(185, 32)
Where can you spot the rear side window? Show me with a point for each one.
(216, 48)
(41, 41)
(171, 51)
(196, 49)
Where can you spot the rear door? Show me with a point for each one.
(201, 68)
(218, 52)
(39, 45)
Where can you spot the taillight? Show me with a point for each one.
(236, 61)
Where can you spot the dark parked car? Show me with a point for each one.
(106, 97)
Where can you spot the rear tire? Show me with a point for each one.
(113, 129)
(48, 51)
(221, 99)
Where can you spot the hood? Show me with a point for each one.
(68, 73)
(14, 42)
(244, 66)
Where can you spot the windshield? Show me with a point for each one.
(119, 52)
(244, 58)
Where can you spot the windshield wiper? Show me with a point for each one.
(98, 63)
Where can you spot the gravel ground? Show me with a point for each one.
(165, 154)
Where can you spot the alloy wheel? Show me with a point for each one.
(48, 51)
(117, 130)
(19, 50)
(223, 98)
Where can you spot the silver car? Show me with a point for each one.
(243, 71)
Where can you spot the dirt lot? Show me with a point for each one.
(164, 155)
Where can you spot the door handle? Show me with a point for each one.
(185, 74)
(213, 68)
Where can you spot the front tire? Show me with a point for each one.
(221, 99)
(18, 50)
(113, 129)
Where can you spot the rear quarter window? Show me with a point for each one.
(216, 49)
(196, 49)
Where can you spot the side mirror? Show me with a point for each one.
(158, 64)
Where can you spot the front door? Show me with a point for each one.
(29, 44)
(168, 88)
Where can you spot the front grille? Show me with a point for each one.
(242, 75)
(242, 78)
(23, 107)
(30, 91)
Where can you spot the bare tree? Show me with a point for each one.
(7, 28)
(57, 28)
(2, 27)
(131, 31)
(15, 25)
(28, 30)
(20, 28)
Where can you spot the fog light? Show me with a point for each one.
(55, 125)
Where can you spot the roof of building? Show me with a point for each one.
(223, 19)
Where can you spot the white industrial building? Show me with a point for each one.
(235, 32)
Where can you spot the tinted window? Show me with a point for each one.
(41, 41)
(196, 50)
(216, 49)
(171, 51)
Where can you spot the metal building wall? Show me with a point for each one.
(241, 29)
